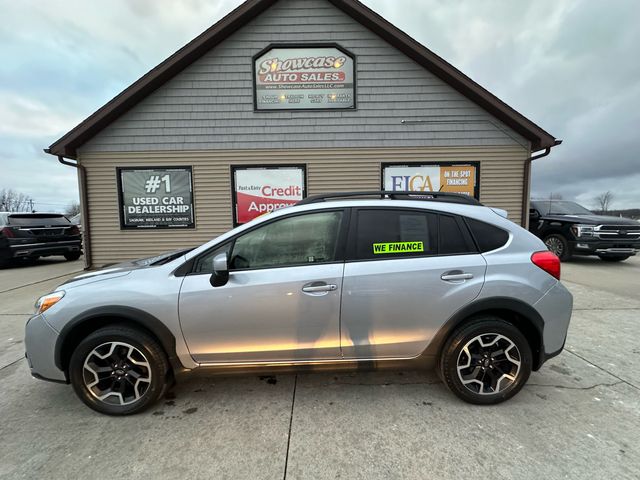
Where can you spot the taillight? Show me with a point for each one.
(74, 230)
(547, 261)
(7, 232)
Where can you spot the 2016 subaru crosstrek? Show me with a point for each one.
(438, 280)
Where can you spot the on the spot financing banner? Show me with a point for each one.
(263, 190)
(459, 178)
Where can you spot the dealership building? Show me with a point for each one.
(279, 100)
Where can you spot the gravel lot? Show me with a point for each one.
(579, 417)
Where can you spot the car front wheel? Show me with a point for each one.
(557, 244)
(118, 370)
(487, 361)
(71, 256)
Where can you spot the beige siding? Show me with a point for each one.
(501, 180)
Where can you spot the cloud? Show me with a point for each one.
(26, 117)
(568, 65)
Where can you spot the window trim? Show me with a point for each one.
(340, 247)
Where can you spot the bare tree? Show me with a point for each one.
(555, 196)
(72, 210)
(605, 200)
(12, 201)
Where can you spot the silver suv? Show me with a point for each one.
(434, 280)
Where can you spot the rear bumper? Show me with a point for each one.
(40, 341)
(610, 247)
(555, 308)
(19, 250)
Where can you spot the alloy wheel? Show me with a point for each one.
(555, 245)
(488, 364)
(116, 373)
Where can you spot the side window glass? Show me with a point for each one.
(205, 263)
(303, 239)
(452, 239)
(487, 236)
(395, 233)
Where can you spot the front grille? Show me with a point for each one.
(617, 232)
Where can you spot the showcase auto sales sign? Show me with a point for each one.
(263, 190)
(304, 78)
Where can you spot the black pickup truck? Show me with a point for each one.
(568, 228)
(33, 235)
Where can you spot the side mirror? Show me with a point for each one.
(534, 214)
(220, 274)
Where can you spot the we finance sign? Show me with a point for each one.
(261, 190)
(432, 177)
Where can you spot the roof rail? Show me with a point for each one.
(394, 195)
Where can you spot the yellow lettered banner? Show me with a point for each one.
(398, 247)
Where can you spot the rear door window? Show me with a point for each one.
(393, 233)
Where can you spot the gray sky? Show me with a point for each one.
(572, 66)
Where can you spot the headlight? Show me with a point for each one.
(45, 302)
(582, 230)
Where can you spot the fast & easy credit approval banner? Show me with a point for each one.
(262, 190)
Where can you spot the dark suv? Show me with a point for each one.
(34, 235)
(568, 228)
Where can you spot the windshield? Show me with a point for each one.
(555, 207)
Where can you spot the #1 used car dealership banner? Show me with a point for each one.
(262, 190)
(155, 197)
(428, 177)
(304, 78)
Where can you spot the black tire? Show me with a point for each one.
(614, 258)
(152, 355)
(487, 328)
(558, 244)
(71, 256)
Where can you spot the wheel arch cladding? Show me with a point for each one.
(522, 316)
(88, 322)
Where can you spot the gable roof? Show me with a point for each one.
(67, 145)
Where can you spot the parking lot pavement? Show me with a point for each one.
(20, 287)
(576, 418)
(620, 278)
(21, 274)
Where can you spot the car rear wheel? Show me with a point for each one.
(485, 362)
(557, 244)
(614, 258)
(118, 370)
(72, 256)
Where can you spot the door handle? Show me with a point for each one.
(456, 275)
(319, 287)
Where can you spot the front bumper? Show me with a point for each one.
(40, 341)
(601, 247)
(555, 308)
